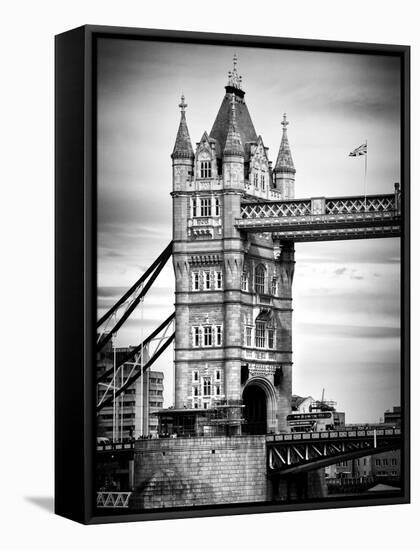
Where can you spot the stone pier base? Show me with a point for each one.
(201, 471)
(299, 487)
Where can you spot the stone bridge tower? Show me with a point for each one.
(233, 295)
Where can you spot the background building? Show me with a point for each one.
(393, 417)
(301, 404)
(134, 409)
(368, 470)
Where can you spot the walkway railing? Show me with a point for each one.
(321, 206)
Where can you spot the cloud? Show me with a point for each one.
(349, 331)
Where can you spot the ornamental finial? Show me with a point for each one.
(285, 122)
(183, 105)
(232, 102)
(234, 79)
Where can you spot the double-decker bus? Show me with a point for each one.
(311, 422)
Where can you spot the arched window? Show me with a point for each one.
(206, 386)
(260, 279)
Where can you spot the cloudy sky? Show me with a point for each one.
(346, 293)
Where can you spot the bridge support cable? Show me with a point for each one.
(132, 353)
(118, 384)
(137, 293)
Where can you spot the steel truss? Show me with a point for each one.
(302, 452)
(105, 499)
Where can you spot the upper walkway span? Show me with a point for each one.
(324, 219)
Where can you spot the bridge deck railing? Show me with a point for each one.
(336, 434)
(115, 446)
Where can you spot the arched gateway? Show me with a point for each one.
(259, 412)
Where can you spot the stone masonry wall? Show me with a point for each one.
(199, 471)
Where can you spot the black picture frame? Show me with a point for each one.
(75, 267)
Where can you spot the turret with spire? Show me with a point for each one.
(284, 170)
(233, 144)
(183, 147)
(182, 154)
(233, 153)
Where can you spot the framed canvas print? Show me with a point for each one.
(232, 274)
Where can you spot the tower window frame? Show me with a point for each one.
(205, 207)
(218, 330)
(260, 334)
(218, 280)
(244, 281)
(260, 279)
(194, 207)
(207, 336)
(206, 386)
(274, 286)
(207, 280)
(196, 336)
(270, 337)
(248, 336)
(217, 206)
(196, 281)
(205, 169)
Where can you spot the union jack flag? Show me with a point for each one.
(361, 150)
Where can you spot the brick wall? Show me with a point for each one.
(199, 471)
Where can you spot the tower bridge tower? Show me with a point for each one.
(233, 292)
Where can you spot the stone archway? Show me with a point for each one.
(259, 401)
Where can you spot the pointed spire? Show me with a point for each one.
(233, 145)
(284, 161)
(183, 147)
(235, 80)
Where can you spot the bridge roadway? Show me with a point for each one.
(301, 452)
(290, 453)
(323, 219)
